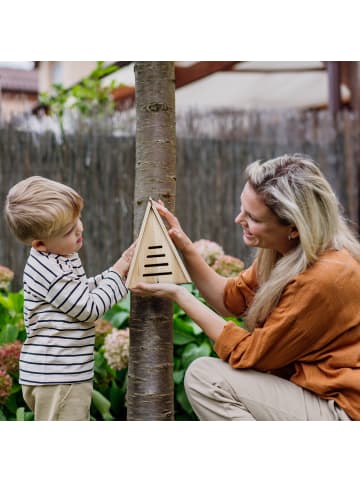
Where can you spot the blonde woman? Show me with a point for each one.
(299, 358)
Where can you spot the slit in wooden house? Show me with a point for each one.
(155, 264)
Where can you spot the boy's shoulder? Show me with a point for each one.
(53, 264)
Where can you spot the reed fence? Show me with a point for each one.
(213, 149)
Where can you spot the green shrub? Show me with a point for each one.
(111, 349)
(190, 342)
(12, 334)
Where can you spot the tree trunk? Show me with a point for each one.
(150, 373)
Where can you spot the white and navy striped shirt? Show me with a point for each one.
(60, 309)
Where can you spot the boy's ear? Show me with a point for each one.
(38, 245)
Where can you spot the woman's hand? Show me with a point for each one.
(162, 290)
(203, 316)
(176, 233)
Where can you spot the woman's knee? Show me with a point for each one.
(201, 371)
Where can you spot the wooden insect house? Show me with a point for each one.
(156, 259)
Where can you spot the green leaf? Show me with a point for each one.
(116, 395)
(183, 325)
(189, 287)
(182, 338)
(11, 404)
(17, 301)
(20, 414)
(8, 334)
(125, 303)
(2, 416)
(102, 404)
(109, 314)
(178, 376)
(16, 388)
(186, 327)
(29, 416)
(119, 319)
(100, 365)
(195, 328)
(44, 98)
(5, 302)
(182, 399)
(193, 351)
(122, 306)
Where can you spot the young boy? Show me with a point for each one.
(60, 303)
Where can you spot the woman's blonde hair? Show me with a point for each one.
(39, 208)
(296, 191)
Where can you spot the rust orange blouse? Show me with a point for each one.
(314, 330)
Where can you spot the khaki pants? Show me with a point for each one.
(69, 402)
(217, 391)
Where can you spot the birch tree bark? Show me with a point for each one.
(150, 372)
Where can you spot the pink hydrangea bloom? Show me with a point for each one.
(9, 357)
(102, 328)
(116, 346)
(6, 277)
(5, 386)
(209, 250)
(228, 265)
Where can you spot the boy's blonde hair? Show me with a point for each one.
(39, 208)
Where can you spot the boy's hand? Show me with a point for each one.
(122, 265)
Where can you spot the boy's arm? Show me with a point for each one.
(121, 266)
(73, 297)
(94, 281)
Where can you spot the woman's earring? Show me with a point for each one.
(289, 238)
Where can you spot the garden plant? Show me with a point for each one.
(111, 348)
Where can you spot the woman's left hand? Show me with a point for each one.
(163, 290)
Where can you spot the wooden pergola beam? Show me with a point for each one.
(338, 72)
(125, 95)
(199, 70)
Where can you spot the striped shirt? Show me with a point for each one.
(60, 309)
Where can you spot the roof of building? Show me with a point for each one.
(16, 80)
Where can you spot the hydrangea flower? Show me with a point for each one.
(6, 277)
(5, 386)
(209, 250)
(9, 357)
(102, 328)
(228, 265)
(116, 346)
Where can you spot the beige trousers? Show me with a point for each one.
(217, 391)
(69, 402)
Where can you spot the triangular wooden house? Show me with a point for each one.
(156, 259)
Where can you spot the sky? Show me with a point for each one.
(22, 65)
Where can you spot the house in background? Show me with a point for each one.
(204, 85)
(66, 73)
(19, 87)
(22, 82)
